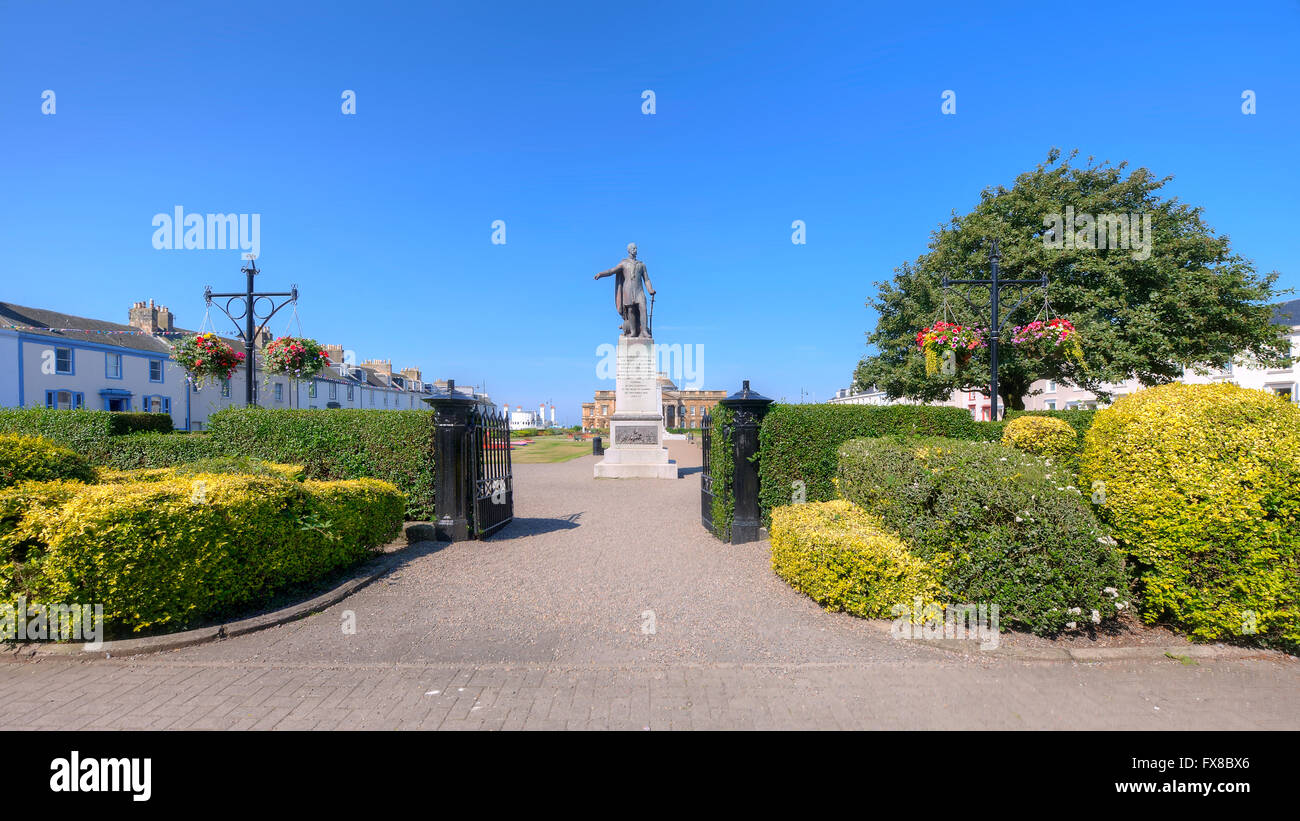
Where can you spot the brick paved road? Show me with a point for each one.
(549, 624)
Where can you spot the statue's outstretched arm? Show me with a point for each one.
(610, 272)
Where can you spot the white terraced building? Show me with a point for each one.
(56, 360)
(1285, 382)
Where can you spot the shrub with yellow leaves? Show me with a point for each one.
(1201, 484)
(844, 559)
(1043, 436)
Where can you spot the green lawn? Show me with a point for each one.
(550, 449)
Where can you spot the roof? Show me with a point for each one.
(1287, 313)
(38, 321)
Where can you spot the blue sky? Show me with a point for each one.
(531, 114)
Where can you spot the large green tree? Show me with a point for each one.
(1190, 303)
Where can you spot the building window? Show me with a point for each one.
(65, 400)
(156, 404)
(279, 392)
(225, 388)
(113, 365)
(334, 390)
(1284, 391)
(350, 393)
(1051, 404)
(1051, 386)
(63, 360)
(311, 390)
(155, 370)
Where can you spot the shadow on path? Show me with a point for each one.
(533, 526)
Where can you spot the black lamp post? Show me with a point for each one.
(995, 286)
(246, 304)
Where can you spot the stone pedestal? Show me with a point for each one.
(636, 430)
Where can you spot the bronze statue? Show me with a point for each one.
(629, 297)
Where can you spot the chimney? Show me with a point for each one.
(412, 374)
(381, 366)
(335, 353)
(166, 322)
(143, 317)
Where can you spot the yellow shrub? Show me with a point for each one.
(844, 559)
(1201, 484)
(171, 551)
(36, 459)
(1043, 436)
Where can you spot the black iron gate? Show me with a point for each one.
(491, 481)
(706, 474)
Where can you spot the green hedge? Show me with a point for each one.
(157, 450)
(391, 445)
(800, 443)
(169, 553)
(86, 431)
(722, 468)
(35, 459)
(1007, 528)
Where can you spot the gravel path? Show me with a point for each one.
(606, 605)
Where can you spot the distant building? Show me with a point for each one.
(681, 409)
(56, 360)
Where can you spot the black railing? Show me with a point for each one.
(475, 496)
(493, 489)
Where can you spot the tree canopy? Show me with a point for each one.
(1186, 301)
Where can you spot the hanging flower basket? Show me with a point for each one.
(294, 356)
(941, 337)
(206, 357)
(1050, 339)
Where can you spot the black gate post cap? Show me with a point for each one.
(746, 395)
(447, 395)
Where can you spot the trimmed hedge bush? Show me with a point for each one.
(1019, 535)
(801, 442)
(85, 431)
(844, 559)
(1201, 484)
(155, 450)
(391, 445)
(36, 459)
(1044, 436)
(218, 464)
(158, 554)
(1080, 419)
(722, 466)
